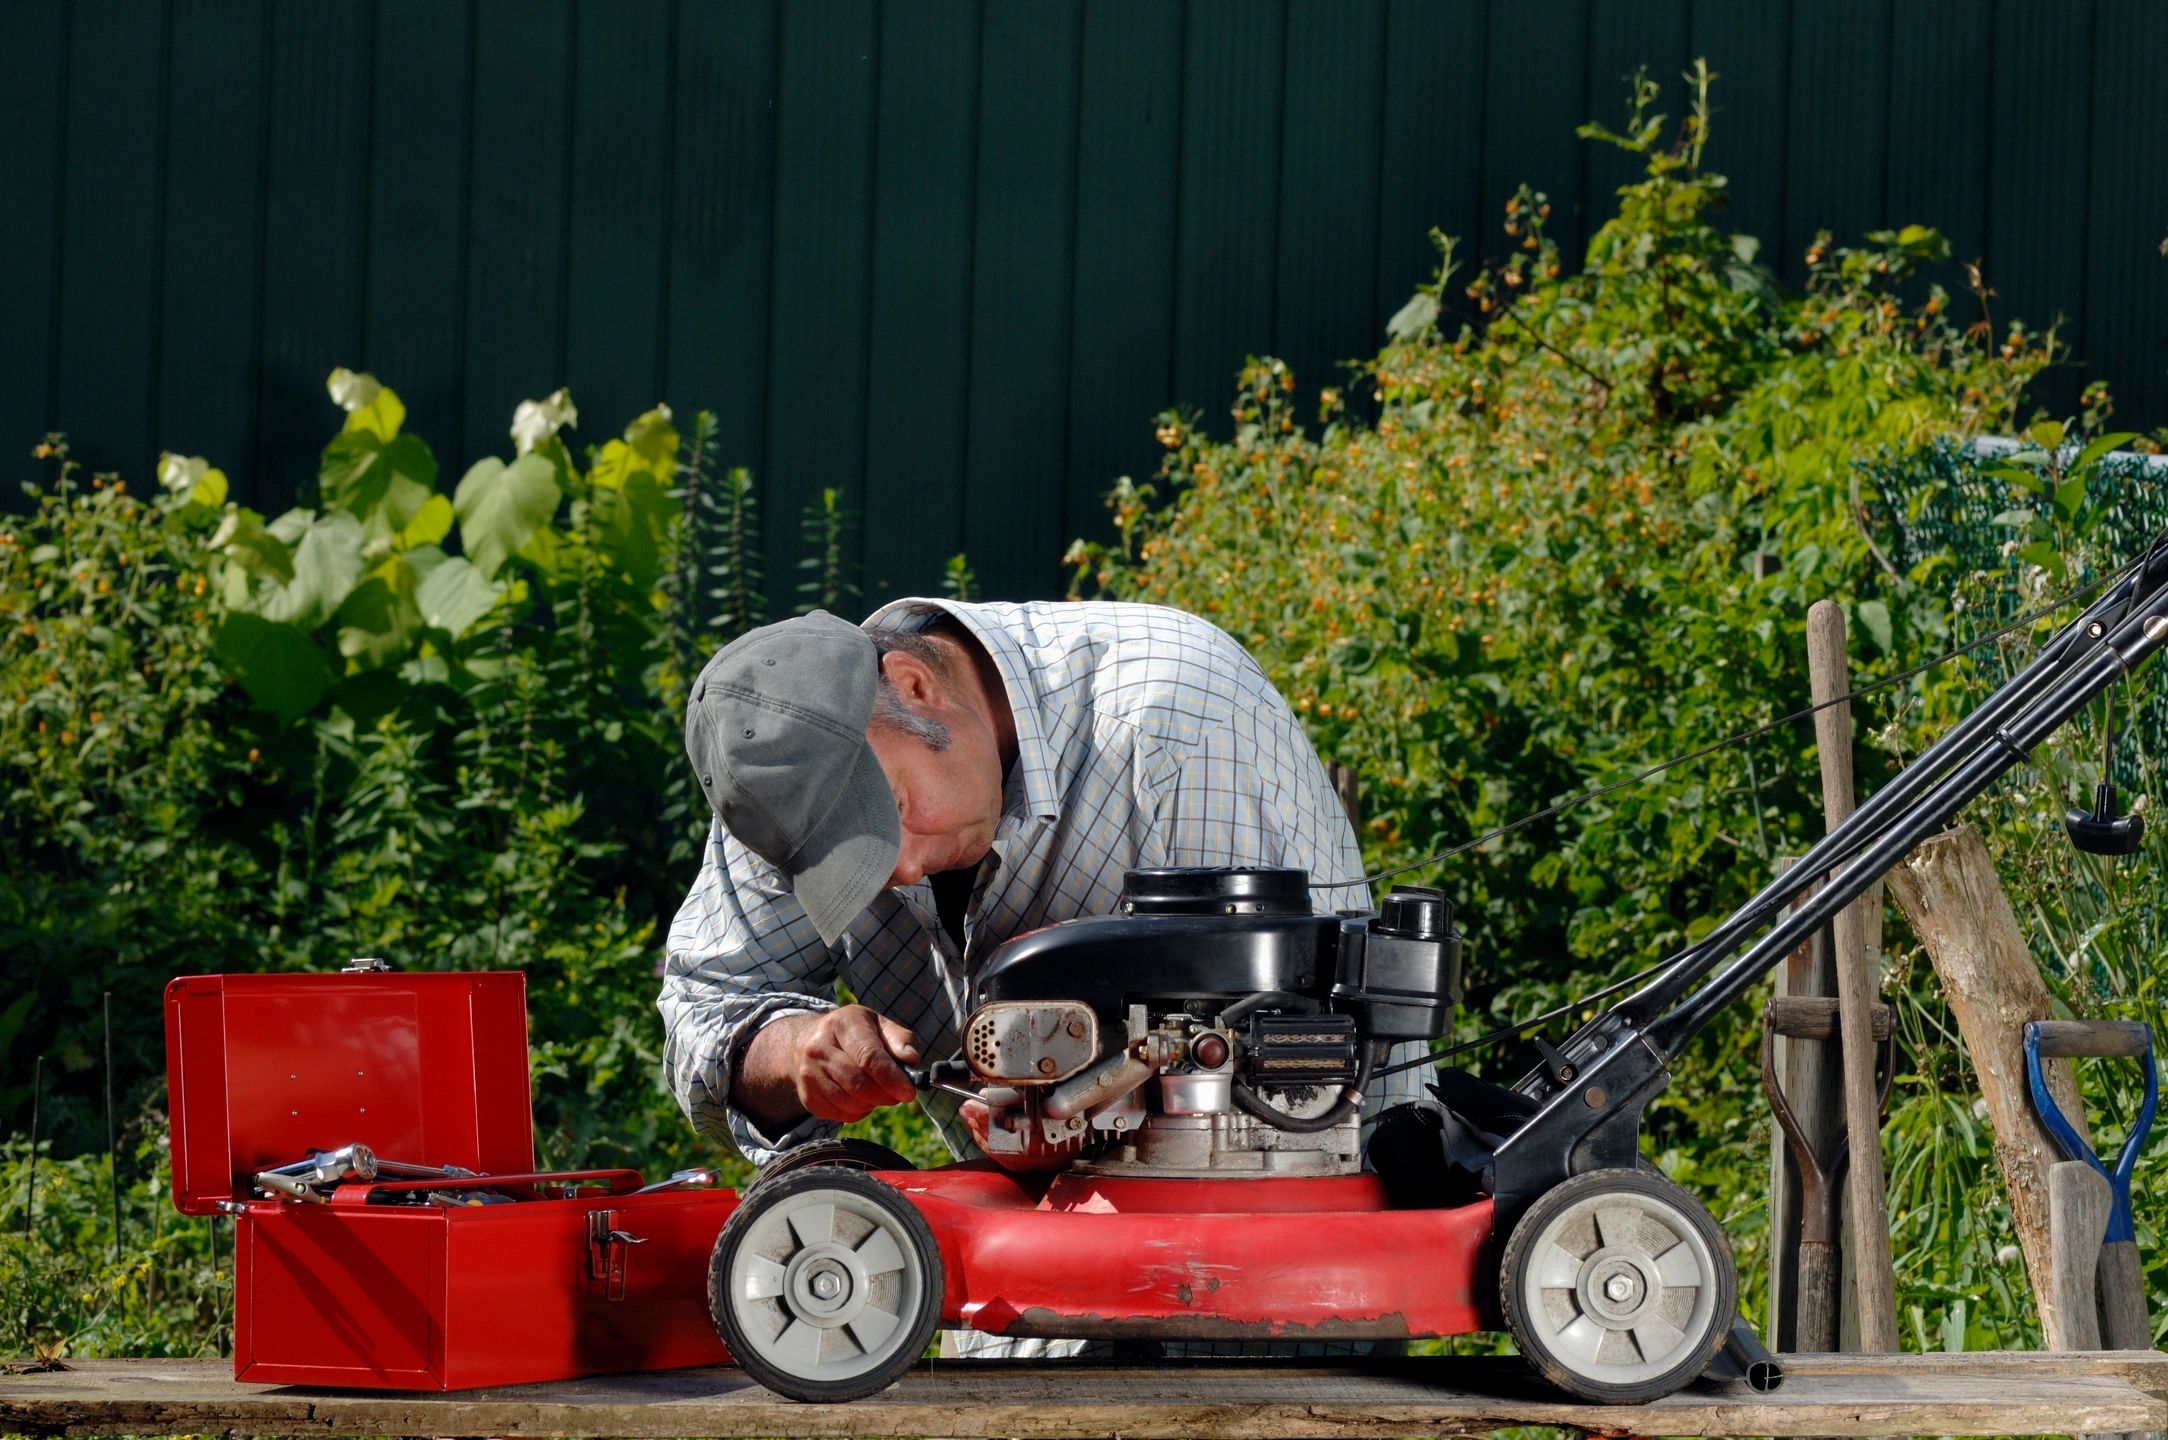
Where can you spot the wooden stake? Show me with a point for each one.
(1856, 988)
(1958, 909)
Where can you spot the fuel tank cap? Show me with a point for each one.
(1212, 890)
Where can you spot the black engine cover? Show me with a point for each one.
(1186, 935)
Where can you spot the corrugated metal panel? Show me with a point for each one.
(827, 79)
(949, 257)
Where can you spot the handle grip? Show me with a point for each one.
(2077, 1039)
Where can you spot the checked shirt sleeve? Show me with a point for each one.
(742, 953)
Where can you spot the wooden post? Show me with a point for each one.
(2077, 1218)
(1867, 1191)
(1958, 909)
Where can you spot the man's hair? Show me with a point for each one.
(889, 711)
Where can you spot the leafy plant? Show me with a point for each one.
(1566, 525)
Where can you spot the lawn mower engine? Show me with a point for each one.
(1216, 1026)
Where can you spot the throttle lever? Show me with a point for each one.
(941, 1075)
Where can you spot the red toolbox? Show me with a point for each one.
(379, 1285)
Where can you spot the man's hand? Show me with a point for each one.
(839, 1065)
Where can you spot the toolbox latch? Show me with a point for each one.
(366, 965)
(606, 1247)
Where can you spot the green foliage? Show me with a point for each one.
(66, 1289)
(1564, 526)
(827, 576)
(438, 728)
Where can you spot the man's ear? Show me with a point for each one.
(911, 678)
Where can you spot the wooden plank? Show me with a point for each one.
(516, 212)
(1129, 136)
(620, 208)
(109, 269)
(414, 315)
(2126, 278)
(1750, 102)
(32, 110)
(315, 235)
(918, 372)
(1839, 114)
(207, 325)
(1022, 283)
(823, 226)
(1233, 1400)
(1534, 98)
(1430, 170)
(1625, 36)
(2078, 1203)
(1326, 292)
(722, 213)
(1225, 269)
(2039, 143)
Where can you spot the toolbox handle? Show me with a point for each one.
(2075, 1039)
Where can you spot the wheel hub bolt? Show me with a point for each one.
(1618, 1288)
(826, 1286)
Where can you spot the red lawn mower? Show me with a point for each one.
(1202, 1054)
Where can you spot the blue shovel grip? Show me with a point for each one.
(2073, 1145)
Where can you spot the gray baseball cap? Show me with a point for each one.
(776, 732)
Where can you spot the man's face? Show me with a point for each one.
(947, 801)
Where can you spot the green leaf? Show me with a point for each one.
(2101, 445)
(634, 523)
(326, 567)
(242, 536)
(2069, 496)
(372, 408)
(379, 622)
(279, 666)
(210, 489)
(655, 440)
(384, 483)
(1874, 619)
(430, 524)
(2047, 434)
(2016, 518)
(1414, 318)
(453, 595)
(500, 506)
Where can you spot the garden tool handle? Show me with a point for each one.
(1815, 1330)
(2040, 1035)
(2075, 1039)
(1814, 1017)
(2125, 1321)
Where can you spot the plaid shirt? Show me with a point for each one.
(1145, 737)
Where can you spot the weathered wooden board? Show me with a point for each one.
(1231, 1400)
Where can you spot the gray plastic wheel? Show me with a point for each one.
(1618, 1286)
(825, 1284)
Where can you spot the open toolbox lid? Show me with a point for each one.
(429, 1068)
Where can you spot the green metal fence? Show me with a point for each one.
(950, 256)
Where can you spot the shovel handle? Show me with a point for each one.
(2125, 1323)
(2078, 1039)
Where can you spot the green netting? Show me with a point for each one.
(1942, 501)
